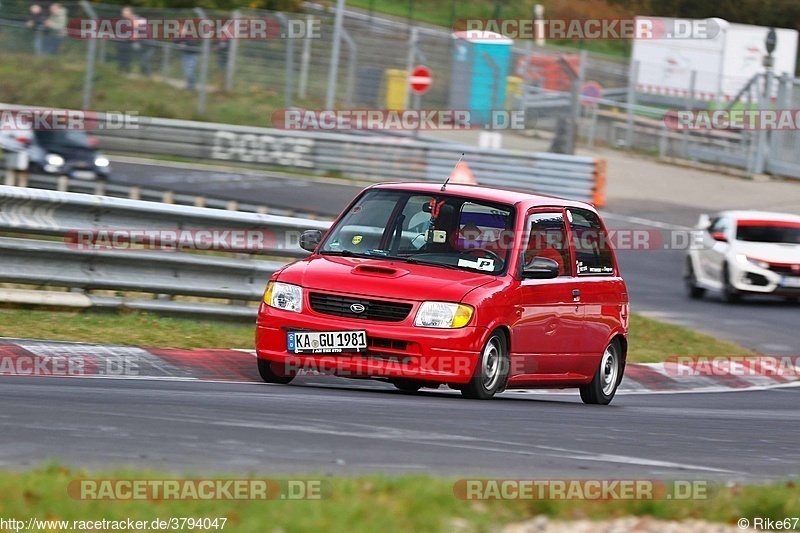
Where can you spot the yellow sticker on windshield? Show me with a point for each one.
(356, 239)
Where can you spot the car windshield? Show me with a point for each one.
(441, 230)
(68, 138)
(768, 231)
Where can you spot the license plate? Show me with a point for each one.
(84, 175)
(326, 341)
(790, 282)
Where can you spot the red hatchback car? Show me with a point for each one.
(477, 288)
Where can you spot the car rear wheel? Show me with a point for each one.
(491, 372)
(690, 279)
(606, 379)
(267, 371)
(729, 294)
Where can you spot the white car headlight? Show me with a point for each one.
(54, 160)
(284, 296)
(101, 162)
(741, 258)
(443, 315)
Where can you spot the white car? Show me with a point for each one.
(745, 252)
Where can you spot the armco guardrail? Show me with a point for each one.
(375, 158)
(173, 279)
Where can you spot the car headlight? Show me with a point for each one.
(284, 296)
(101, 162)
(54, 160)
(741, 258)
(443, 315)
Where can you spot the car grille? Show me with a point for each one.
(786, 270)
(329, 304)
(757, 279)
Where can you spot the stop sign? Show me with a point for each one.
(420, 79)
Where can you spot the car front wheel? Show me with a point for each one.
(606, 379)
(690, 279)
(267, 371)
(729, 293)
(491, 372)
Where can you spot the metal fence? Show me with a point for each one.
(52, 242)
(376, 53)
(297, 69)
(369, 158)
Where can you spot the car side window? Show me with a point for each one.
(547, 237)
(592, 252)
(719, 225)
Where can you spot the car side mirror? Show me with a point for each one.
(309, 240)
(540, 268)
(719, 236)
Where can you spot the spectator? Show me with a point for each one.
(143, 48)
(190, 50)
(35, 22)
(55, 28)
(125, 46)
(223, 50)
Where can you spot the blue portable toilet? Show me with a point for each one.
(481, 64)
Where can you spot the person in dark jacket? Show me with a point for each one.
(35, 22)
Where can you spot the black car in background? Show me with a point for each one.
(61, 152)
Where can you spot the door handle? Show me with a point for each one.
(576, 295)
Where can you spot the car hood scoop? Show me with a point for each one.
(378, 270)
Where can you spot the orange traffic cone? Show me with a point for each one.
(462, 174)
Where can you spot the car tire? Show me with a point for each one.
(729, 294)
(268, 374)
(491, 372)
(690, 279)
(607, 378)
(407, 385)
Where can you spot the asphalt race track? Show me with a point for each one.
(324, 197)
(654, 277)
(329, 425)
(326, 425)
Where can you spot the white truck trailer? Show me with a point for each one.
(723, 63)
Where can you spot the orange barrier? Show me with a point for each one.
(599, 189)
(462, 174)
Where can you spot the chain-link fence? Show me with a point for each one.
(375, 57)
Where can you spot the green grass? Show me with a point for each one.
(136, 329)
(368, 503)
(653, 341)
(446, 12)
(22, 83)
(650, 340)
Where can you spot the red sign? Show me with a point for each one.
(591, 92)
(420, 80)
